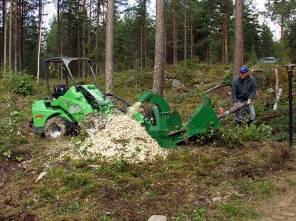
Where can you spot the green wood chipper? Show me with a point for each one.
(71, 102)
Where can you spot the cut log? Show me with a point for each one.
(232, 110)
(214, 88)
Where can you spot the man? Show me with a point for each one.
(244, 90)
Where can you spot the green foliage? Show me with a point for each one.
(46, 194)
(182, 216)
(235, 136)
(261, 188)
(77, 180)
(253, 58)
(228, 77)
(233, 210)
(21, 83)
(264, 78)
(105, 218)
(72, 206)
(268, 46)
(199, 215)
(8, 129)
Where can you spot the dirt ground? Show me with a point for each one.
(197, 182)
(283, 206)
(18, 192)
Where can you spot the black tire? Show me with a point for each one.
(56, 127)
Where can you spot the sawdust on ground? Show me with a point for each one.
(122, 138)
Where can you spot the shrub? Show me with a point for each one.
(235, 136)
(21, 83)
(228, 77)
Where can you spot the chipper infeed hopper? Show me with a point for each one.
(165, 125)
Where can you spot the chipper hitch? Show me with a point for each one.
(165, 125)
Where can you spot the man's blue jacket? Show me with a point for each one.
(242, 90)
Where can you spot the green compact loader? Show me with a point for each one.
(71, 102)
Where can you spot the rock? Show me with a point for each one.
(157, 218)
(176, 84)
(215, 199)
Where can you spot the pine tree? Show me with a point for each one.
(109, 46)
(158, 78)
(239, 41)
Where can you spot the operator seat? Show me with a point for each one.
(59, 90)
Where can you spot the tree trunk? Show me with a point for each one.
(10, 36)
(143, 51)
(141, 44)
(104, 17)
(185, 34)
(145, 34)
(109, 46)
(15, 36)
(225, 40)
(59, 46)
(58, 39)
(5, 37)
(210, 47)
(283, 2)
(97, 36)
(175, 33)
(78, 39)
(239, 41)
(20, 23)
(84, 15)
(165, 36)
(158, 78)
(70, 34)
(22, 33)
(191, 31)
(2, 33)
(89, 30)
(39, 39)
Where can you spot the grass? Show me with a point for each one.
(181, 187)
(187, 176)
(234, 211)
(260, 189)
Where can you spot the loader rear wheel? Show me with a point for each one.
(56, 127)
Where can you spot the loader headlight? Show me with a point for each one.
(74, 109)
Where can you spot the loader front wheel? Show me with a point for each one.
(56, 127)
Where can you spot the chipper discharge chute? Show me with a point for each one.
(165, 125)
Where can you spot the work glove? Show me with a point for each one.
(249, 101)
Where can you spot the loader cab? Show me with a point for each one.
(61, 73)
